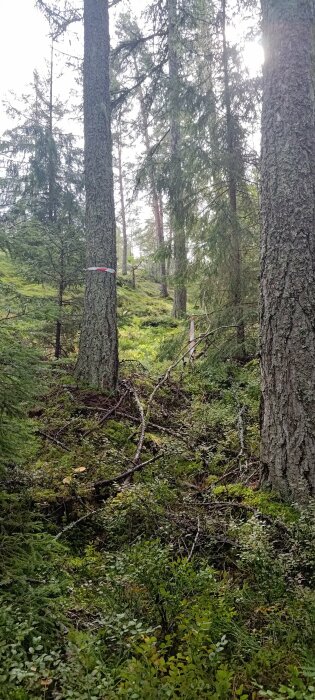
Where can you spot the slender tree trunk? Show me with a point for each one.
(157, 212)
(58, 347)
(236, 259)
(51, 146)
(60, 305)
(177, 217)
(98, 354)
(288, 249)
(122, 204)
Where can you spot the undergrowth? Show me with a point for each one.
(187, 580)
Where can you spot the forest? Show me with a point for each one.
(157, 354)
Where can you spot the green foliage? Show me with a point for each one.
(186, 582)
(18, 364)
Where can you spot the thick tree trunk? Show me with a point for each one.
(122, 204)
(177, 218)
(98, 355)
(288, 249)
(235, 242)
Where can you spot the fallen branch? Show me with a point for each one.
(51, 438)
(179, 359)
(127, 474)
(143, 425)
(162, 428)
(106, 416)
(76, 522)
(195, 540)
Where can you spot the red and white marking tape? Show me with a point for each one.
(101, 269)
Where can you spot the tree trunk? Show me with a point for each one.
(51, 146)
(288, 249)
(177, 218)
(122, 204)
(60, 305)
(98, 354)
(235, 243)
(157, 212)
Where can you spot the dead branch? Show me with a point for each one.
(51, 438)
(179, 359)
(125, 475)
(76, 522)
(106, 416)
(143, 425)
(195, 540)
(161, 428)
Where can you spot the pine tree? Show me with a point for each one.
(98, 354)
(288, 249)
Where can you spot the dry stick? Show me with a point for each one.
(162, 428)
(165, 377)
(240, 427)
(126, 474)
(195, 540)
(54, 440)
(76, 522)
(108, 482)
(143, 425)
(107, 415)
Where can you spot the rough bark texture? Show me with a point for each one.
(235, 242)
(98, 355)
(177, 218)
(288, 249)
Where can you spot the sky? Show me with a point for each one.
(24, 44)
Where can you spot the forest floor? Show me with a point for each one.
(140, 558)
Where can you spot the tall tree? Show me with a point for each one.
(156, 200)
(288, 248)
(177, 218)
(233, 163)
(41, 195)
(98, 354)
(122, 198)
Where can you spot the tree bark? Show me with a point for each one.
(61, 290)
(231, 166)
(98, 354)
(122, 204)
(177, 218)
(288, 249)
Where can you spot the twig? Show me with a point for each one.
(162, 428)
(240, 428)
(195, 540)
(125, 475)
(179, 359)
(54, 440)
(76, 522)
(143, 425)
(106, 416)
